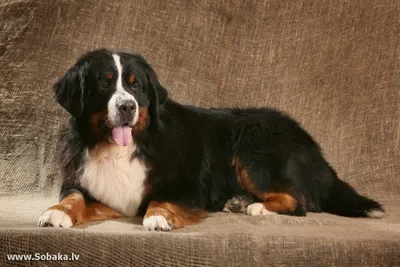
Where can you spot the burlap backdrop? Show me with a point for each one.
(333, 65)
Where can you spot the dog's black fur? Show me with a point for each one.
(191, 151)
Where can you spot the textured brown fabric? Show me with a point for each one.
(333, 65)
(220, 240)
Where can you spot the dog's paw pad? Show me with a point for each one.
(237, 204)
(55, 218)
(258, 209)
(156, 223)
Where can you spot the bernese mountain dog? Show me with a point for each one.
(129, 150)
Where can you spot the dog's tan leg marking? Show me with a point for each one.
(165, 216)
(73, 211)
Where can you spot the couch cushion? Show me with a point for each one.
(220, 240)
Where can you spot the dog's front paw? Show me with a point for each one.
(55, 218)
(156, 223)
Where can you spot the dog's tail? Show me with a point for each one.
(345, 201)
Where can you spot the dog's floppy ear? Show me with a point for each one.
(156, 90)
(160, 92)
(70, 90)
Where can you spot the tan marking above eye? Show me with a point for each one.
(131, 79)
(109, 75)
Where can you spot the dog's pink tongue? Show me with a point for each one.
(122, 135)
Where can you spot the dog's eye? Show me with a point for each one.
(132, 81)
(134, 85)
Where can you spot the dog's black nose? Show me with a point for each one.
(127, 107)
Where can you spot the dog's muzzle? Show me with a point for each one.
(122, 113)
(126, 109)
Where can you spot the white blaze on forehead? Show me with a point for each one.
(120, 95)
(117, 62)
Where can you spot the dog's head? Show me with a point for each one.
(115, 94)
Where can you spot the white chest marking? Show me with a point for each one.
(113, 178)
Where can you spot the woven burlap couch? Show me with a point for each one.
(332, 65)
